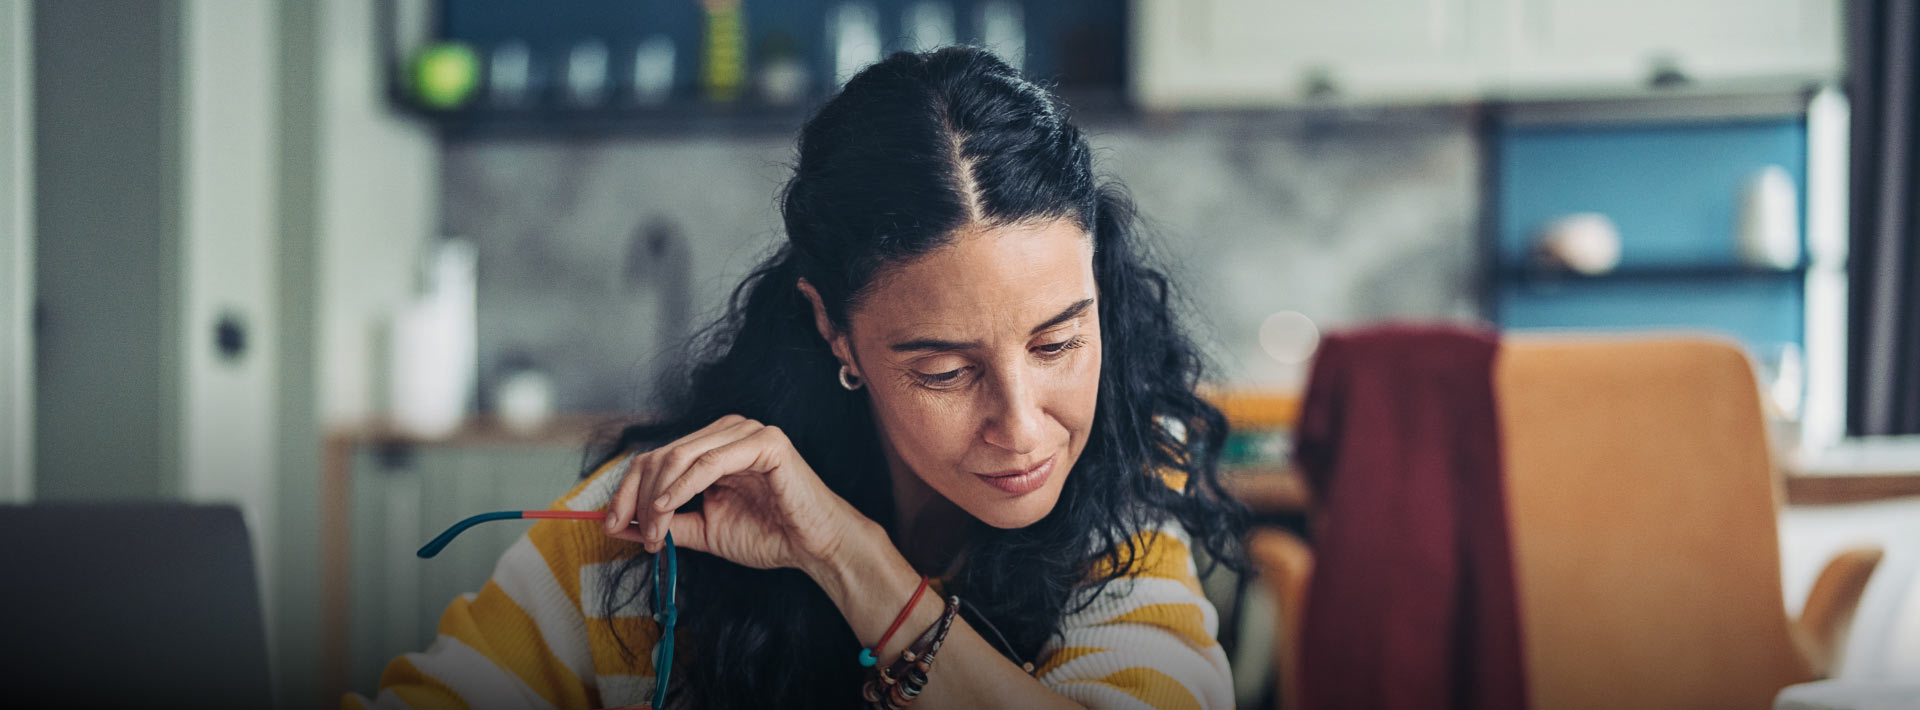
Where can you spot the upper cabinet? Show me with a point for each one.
(1227, 53)
(1259, 52)
(1627, 45)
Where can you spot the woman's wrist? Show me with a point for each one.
(871, 582)
(859, 554)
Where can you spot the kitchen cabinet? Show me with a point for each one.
(1252, 53)
(1576, 46)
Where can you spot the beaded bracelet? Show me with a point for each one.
(898, 685)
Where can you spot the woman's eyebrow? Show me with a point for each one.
(1070, 313)
(932, 345)
(937, 345)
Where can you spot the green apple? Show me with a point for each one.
(445, 74)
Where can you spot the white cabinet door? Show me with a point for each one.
(227, 361)
(1245, 53)
(16, 253)
(1585, 47)
(1224, 53)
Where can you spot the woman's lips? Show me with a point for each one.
(1020, 482)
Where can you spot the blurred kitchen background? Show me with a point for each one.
(363, 267)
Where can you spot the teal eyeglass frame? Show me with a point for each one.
(665, 606)
(666, 613)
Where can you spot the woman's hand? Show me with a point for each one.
(764, 507)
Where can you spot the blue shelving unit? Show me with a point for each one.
(1673, 187)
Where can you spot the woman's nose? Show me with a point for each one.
(1015, 425)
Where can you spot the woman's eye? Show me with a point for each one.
(940, 379)
(1062, 346)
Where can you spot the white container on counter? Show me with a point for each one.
(433, 357)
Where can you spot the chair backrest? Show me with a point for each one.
(1642, 502)
(130, 605)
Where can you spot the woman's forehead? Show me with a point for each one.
(986, 281)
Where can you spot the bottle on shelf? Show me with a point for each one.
(723, 67)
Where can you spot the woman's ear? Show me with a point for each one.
(835, 339)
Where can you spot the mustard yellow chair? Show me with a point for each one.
(1642, 501)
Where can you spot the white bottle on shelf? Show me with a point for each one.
(854, 30)
(1769, 229)
(928, 25)
(653, 70)
(1003, 32)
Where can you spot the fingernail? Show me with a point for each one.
(613, 521)
(661, 502)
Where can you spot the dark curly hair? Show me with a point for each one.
(911, 150)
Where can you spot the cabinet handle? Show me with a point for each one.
(230, 336)
(1320, 84)
(1667, 74)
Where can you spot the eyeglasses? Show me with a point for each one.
(666, 606)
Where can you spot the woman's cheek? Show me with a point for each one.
(1087, 372)
(1086, 394)
(938, 425)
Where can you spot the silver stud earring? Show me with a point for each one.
(847, 380)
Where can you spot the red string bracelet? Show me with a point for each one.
(866, 654)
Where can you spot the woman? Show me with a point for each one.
(957, 367)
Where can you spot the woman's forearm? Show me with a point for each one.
(869, 580)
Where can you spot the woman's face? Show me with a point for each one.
(983, 363)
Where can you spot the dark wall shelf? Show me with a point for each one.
(1090, 107)
(683, 118)
(1077, 47)
(1648, 272)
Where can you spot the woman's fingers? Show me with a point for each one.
(620, 507)
(689, 532)
(643, 470)
(758, 451)
(683, 456)
(630, 535)
(673, 465)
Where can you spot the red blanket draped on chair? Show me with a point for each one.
(1411, 603)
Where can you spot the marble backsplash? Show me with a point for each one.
(598, 256)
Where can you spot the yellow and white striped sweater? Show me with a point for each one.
(538, 635)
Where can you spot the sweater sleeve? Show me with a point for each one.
(1148, 641)
(524, 639)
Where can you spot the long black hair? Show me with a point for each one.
(911, 150)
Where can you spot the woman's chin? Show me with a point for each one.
(1019, 512)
